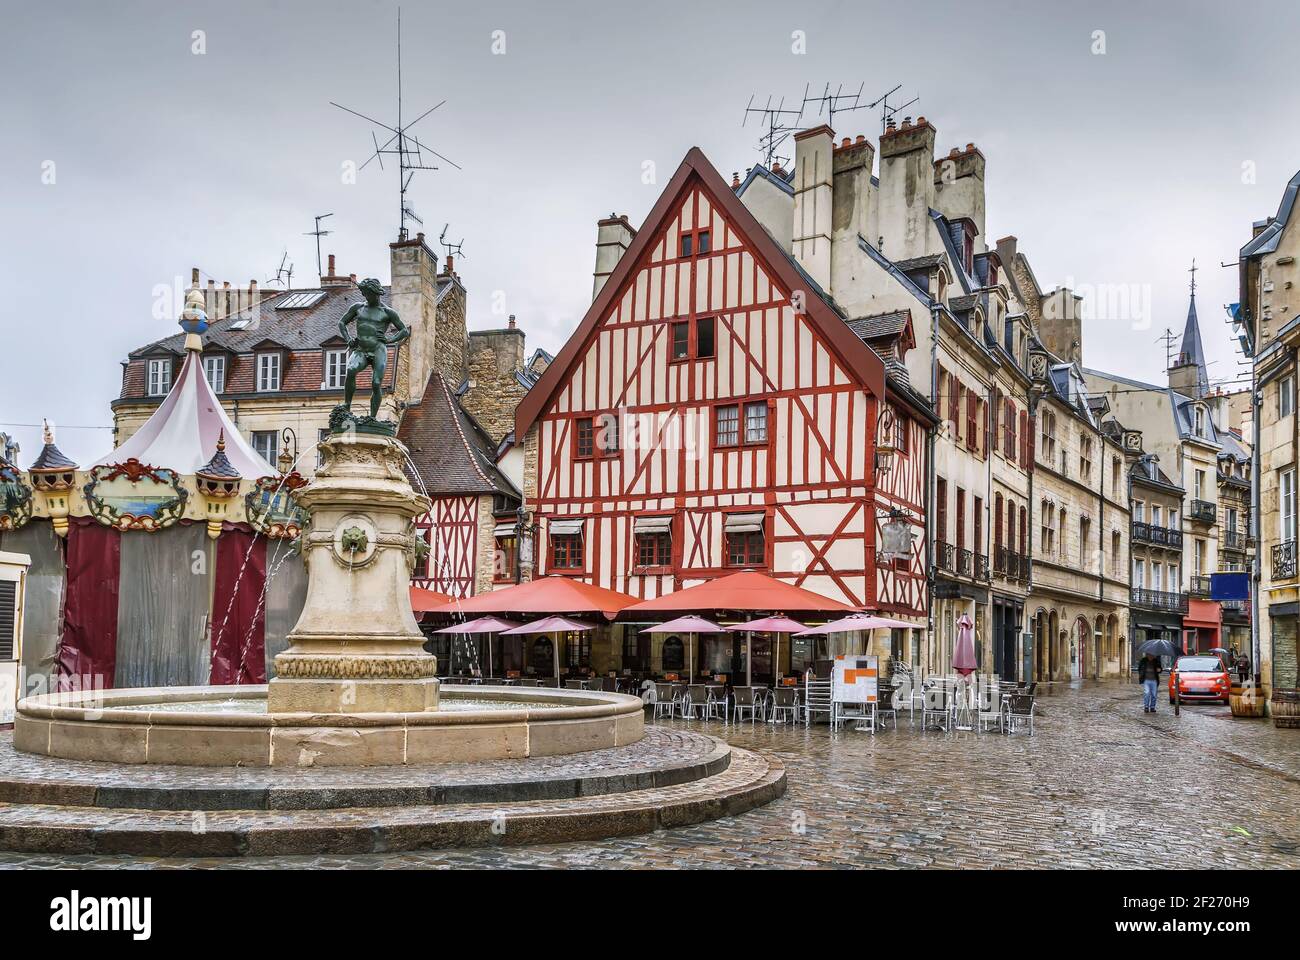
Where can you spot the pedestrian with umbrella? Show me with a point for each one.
(1149, 670)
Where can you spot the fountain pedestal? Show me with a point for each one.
(357, 648)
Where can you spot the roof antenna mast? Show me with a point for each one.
(450, 248)
(318, 233)
(410, 151)
(780, 122)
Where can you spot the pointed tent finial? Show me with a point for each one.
(194, 320)
(221, 440)
(47, 435)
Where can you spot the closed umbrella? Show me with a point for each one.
(778, 625)
(690, 626)
(963, 661)
(556, 625)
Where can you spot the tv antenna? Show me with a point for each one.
(318, 233)
(410, 152)
(1168, 338)
(448, 247)
(887, 110)
(780, 121)
(837, 102)
(283, 273)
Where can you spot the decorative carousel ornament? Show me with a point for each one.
(218, 484)
(194, 321)
(53, 477)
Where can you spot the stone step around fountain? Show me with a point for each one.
(747, 781)
(664, 757)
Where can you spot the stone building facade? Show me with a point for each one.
(1267, 318)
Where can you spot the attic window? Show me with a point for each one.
(300, 301)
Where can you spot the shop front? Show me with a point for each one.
(1008, 615)
(1155, 626)
(1202, 626)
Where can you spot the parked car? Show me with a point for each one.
(1200, 678)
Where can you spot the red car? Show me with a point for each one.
(1200, 678)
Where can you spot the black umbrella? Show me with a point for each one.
(1159, 648)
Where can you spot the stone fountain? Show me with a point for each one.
(271, 769)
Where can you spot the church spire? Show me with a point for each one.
(1192, 353)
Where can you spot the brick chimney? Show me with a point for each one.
(813, 179)
(614, 235)
(959, 188)
(438, 337)
(906, 193)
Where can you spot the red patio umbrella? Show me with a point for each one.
(690, 626)
(556, 625)
(746, 591)
(778, 624)
(422, 601)
(544, 595)
(858, 621)
(963, 657)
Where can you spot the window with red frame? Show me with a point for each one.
(694, 339)
(654, 549)
(902, 435)
(695, 243)
(756, 422)
(681, 332)
(972, 421)
(726, 426)
(745, 549)
(607, 433)
(566, 551)
(1009, 429)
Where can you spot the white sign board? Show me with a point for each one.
(854, 679)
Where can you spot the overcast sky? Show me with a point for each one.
(1113, 169)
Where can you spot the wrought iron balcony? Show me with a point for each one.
(1158, 600)
(981, 566)
(1199, 586)
(1233, 540)
(1007, 563)
(964, 558)
(1235, 608)
(944, 556)
(1203, 510)
(1284, 560)
(1156, 535)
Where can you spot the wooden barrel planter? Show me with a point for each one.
(1245, 701)
(1286, 709)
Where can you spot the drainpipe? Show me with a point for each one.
(930, 473)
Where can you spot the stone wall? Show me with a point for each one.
(496, 357)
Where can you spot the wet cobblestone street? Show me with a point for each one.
(1100, 784)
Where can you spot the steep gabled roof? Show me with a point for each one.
(858, 360)
(452, 453)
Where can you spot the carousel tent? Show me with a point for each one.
(169, 561)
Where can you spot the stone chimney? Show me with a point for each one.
(1184, 377)
(852, 215)
(438, 337)
(959, 189)
(906, 193)
(613, 236)
(1060, 326)
(813, 189)
(495, 359)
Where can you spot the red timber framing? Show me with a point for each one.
(450, 529)
(775, 425)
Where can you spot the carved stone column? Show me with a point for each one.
(357, 648)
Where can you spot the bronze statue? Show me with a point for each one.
(369, 347)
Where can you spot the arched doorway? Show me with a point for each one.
(1100, 648)
(1053, 646)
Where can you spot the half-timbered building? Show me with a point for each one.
(715, 411)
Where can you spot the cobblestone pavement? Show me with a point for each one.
(1100, 784)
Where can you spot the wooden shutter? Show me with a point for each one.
(8, 617)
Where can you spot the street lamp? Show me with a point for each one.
(886, 430)
(286, 460)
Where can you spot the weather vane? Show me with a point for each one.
(411, 153)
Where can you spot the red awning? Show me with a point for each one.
(557, 595)
(746, 591)
(422, 601)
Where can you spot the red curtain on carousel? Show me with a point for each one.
(239, 609)
(88, 647)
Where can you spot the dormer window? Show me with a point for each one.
(214, 369)
(268, 372)
(160, 377)
(1199, 421)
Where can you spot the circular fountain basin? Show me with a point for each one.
(230, 726)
